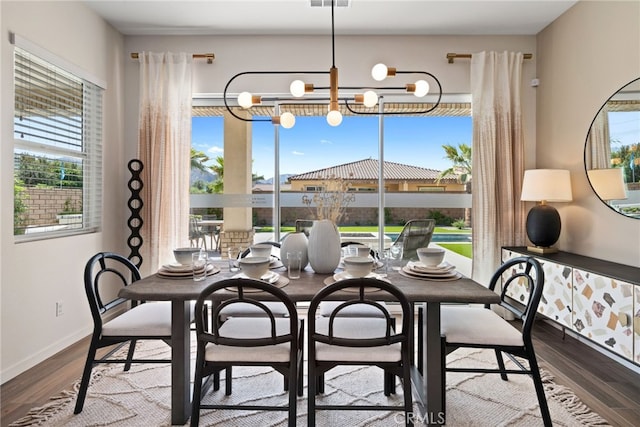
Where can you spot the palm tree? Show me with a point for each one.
(460, 158)
(218, 169)
(198, 160)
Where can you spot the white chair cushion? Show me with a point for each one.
(351, 327)
(471, 325)
(150, 319)
(242, 309)
(325, 308)
(250, 327)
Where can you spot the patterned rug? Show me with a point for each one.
(141, 397)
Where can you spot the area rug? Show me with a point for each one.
(141, 397)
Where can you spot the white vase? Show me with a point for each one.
(324, 246)
(295, 242)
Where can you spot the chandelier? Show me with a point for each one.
(361, 100)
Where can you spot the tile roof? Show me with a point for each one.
(367, 169)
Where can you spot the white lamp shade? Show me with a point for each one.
(608, 183)
(551, 185)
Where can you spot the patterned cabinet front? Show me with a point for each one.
(556, 302)
(603, 311)
(518, 290)
(636, 324)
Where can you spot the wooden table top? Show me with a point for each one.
(463, 290)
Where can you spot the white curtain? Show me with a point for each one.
(164, 145)
(498, 158)
(598, 153)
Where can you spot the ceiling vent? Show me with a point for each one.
(327, 3)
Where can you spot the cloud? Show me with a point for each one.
(297, 153)
(215, 150)
(325, 141)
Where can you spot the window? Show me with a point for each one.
(57, 147)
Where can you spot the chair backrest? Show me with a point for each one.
(416, 233)
(248, 250)
(194, 228)
(368, 292)
(521, 271)
(104, 274)
(246, 291)
(373, 253)
(304, 225)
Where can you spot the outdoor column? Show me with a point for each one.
(238, 224)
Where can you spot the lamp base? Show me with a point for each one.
(542, 250)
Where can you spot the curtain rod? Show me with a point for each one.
(452, 56)
(208, 56)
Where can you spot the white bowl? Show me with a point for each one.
(254, 267)
(358, 266)
(261, 250)
(431, 257)
(183, 255)
(359, 250)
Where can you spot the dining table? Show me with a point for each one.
(427, 378)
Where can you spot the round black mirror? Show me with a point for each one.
(612, 151)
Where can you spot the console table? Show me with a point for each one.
(597, 299)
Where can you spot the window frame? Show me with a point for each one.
(87, 150)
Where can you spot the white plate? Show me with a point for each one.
(376, 264)
(344, 275)
(450, 275)
(211, 269)
(420, 267)
(270, 277)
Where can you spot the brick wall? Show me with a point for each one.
(43, 204)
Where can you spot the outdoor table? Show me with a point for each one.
(428, 387)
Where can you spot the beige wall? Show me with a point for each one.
(34, 275)
(583, 58)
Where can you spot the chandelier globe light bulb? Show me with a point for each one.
(370, 98)
(287, 120)
(244, 100)
(297, 88)
(422, 88)
(334, 118)
(379, 72)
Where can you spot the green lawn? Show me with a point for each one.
(463, 249)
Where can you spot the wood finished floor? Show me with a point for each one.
(603, 384)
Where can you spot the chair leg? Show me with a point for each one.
(86, 376)
(500, 359)
(537, 382)
(197, 395)
(227, 381)
(132, 348)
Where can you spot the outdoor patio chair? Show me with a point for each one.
(196, 234)
(463, 326)
(415, 234)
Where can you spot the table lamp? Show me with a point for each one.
(608, 184)
(543, 220)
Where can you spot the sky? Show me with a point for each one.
(312, 144)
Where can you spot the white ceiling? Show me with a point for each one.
(288, 17)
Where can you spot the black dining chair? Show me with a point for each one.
(481, 327)
(373, 341)
(103, 274)
(266, 340)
